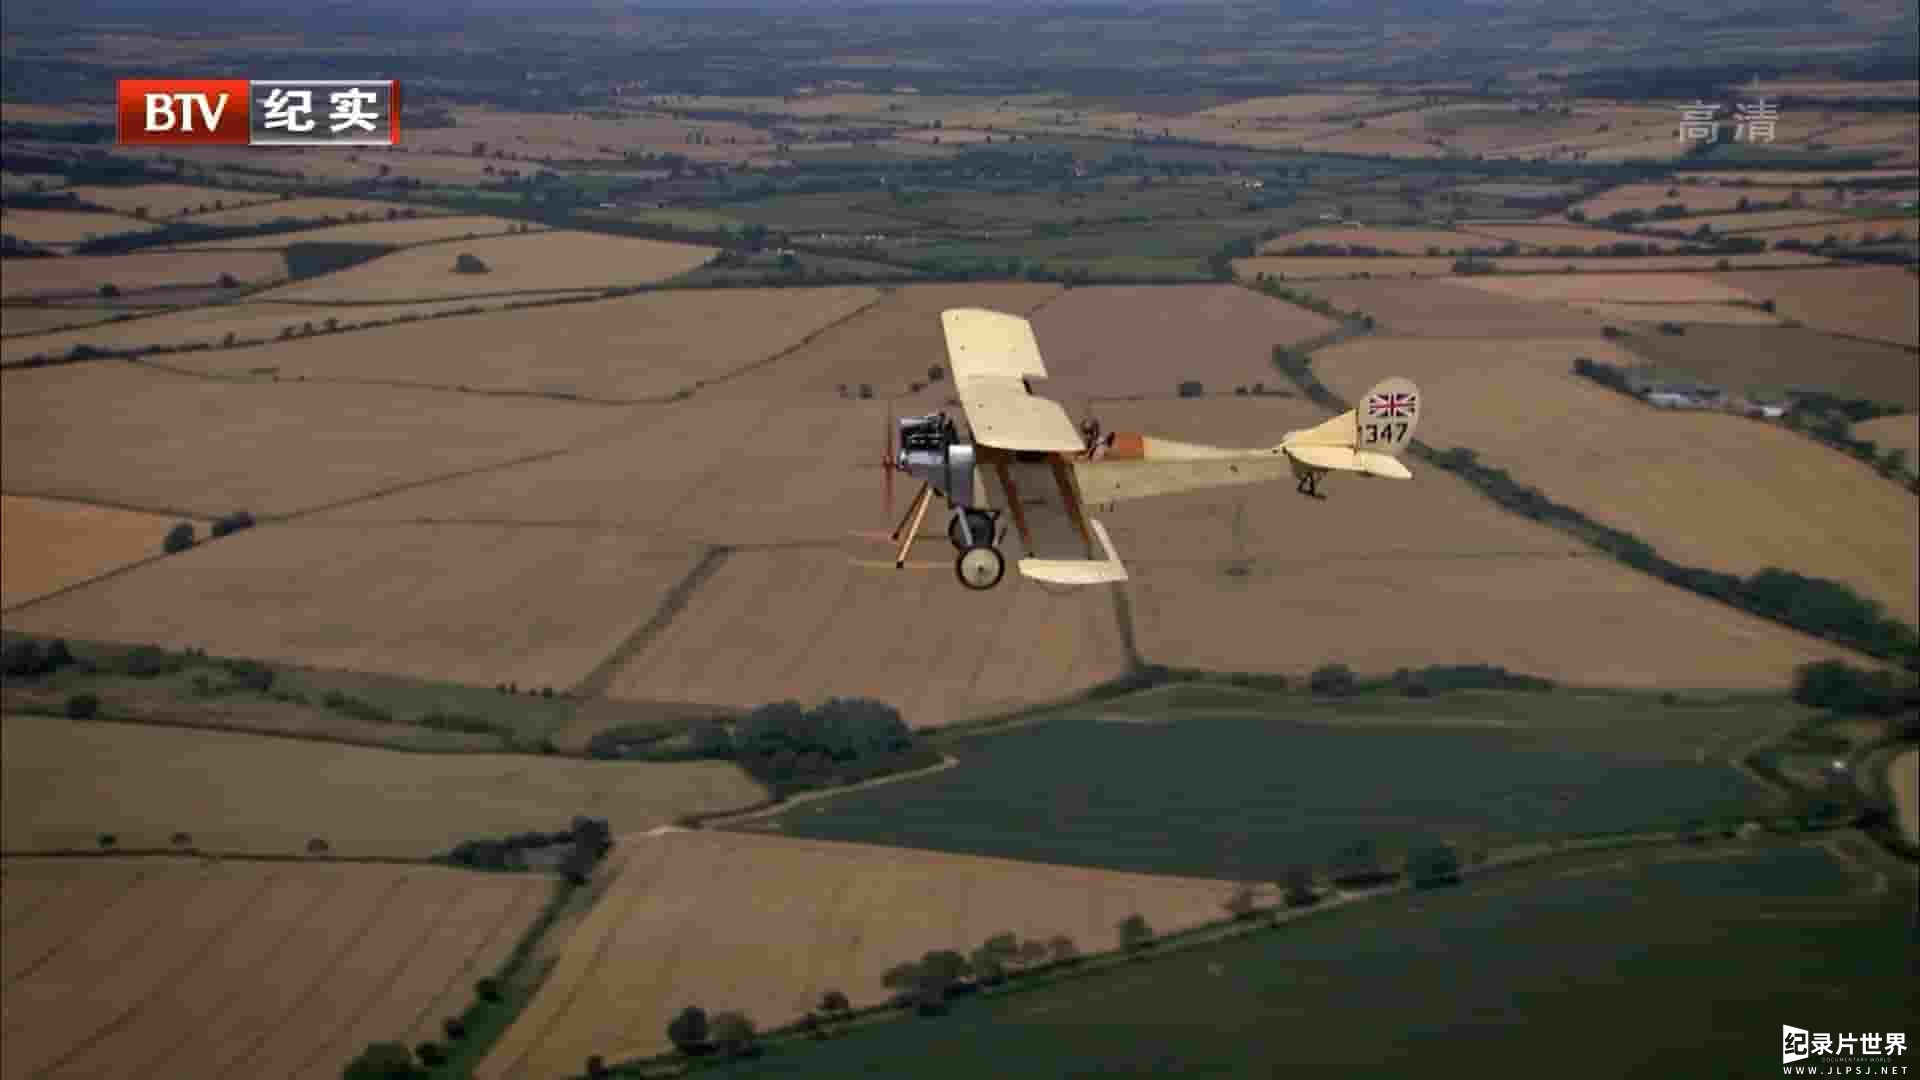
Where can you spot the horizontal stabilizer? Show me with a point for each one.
(1347, 459)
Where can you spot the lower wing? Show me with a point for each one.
(1059, 543)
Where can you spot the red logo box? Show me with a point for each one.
(183, 112)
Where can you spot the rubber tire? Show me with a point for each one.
(999, 563)
(982, 529)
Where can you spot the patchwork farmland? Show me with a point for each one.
(185, 967)
(1881, 303)
(541, 261)
(401, 233)
(47, 545)
(1774, 359)
(1689, 483)
(84, 275)
(695, 917)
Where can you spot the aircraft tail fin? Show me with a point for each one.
(1368, 439)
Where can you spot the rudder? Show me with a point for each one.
(1386, 417)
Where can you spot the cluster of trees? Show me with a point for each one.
(1842, 688)
(1338, 680)
(588, 840)
(693, 1032)
(27, 658)
(784, 745)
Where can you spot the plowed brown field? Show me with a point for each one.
(1697, 198)
(1531, 235)
(313, 209)
(1620, 288)
(1399, 241)
(1742, 358)
(1692, 484)
(420, 230)
(1142, 341)
(1878, 302)
(176, 967)
(767, 924)
(84, 274)
(1455, 309)
(167, 200)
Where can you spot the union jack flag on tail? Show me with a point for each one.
(1390, 405)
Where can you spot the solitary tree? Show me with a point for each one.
(1300, 891)
(1333, 680)
(384, 1061)
(469, 264)
(1240, 904)
(688, 1031)
(733, 1033)
(834, 1002)
(109, 290)
(1062, 950)
(179, 538)
(1135, 934)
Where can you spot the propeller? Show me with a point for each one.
(889, 439)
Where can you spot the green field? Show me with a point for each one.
(1226, 790)
(1680, 964)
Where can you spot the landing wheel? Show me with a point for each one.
(979, 521)
(980, 567)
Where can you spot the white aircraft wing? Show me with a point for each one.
(992, 355)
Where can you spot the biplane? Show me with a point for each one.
(1048, 471)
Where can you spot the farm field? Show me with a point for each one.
(270, 448)
(550, 605)
(1689, 483)
(179, 967)
(1398, 241)
(550, 260)
(405, 231)
(308, 209)
(251, 322)
(848, 623)
(1758, 219)
(1432, 308)
(1618, 288)
(47, 544)
(1515, 965)
(1659, 312)
(767, 924)
(21, 319)
(166, 200)
(1878, 302)
(274, 794)
(889, 346)
(1802, 179)
(1290, 107)
(83, 275)
(1107, 341)
(1293, 781)
(578, 137)
(1844, 232)
(64, 228)
(1532, 235)
(1742, 358)
(634, 347)
(1697, 198)
(1334, 266)
(1894, 432)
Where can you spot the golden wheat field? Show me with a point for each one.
(83, 275)
(1759, 219)
(1333, 267)
(1894, 433)
(1904, 227)
(1540, 235)
(1802, 179)
(401, 233)
(1706, 489)
(1645, 288)
(180, 443)
(308, 209)
(185, 967)
(250, 322)
(48, 544)
(1723, 314)
(1878, 302)
(1454, 308)
(555, 259)
(475, 604)
(634, 347)
(276, 794)
(1697, 198)
(1398, 241)
(22, 319)
(767, 924)
(58, 228)
(848, 623)
(168, 200)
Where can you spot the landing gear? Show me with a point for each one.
(980, 567)
(1310, 484)
(978, 522)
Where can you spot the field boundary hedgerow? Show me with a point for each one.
(1818, 607)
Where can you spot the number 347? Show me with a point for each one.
(1387, 432)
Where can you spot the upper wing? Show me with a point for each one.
(992, 355)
